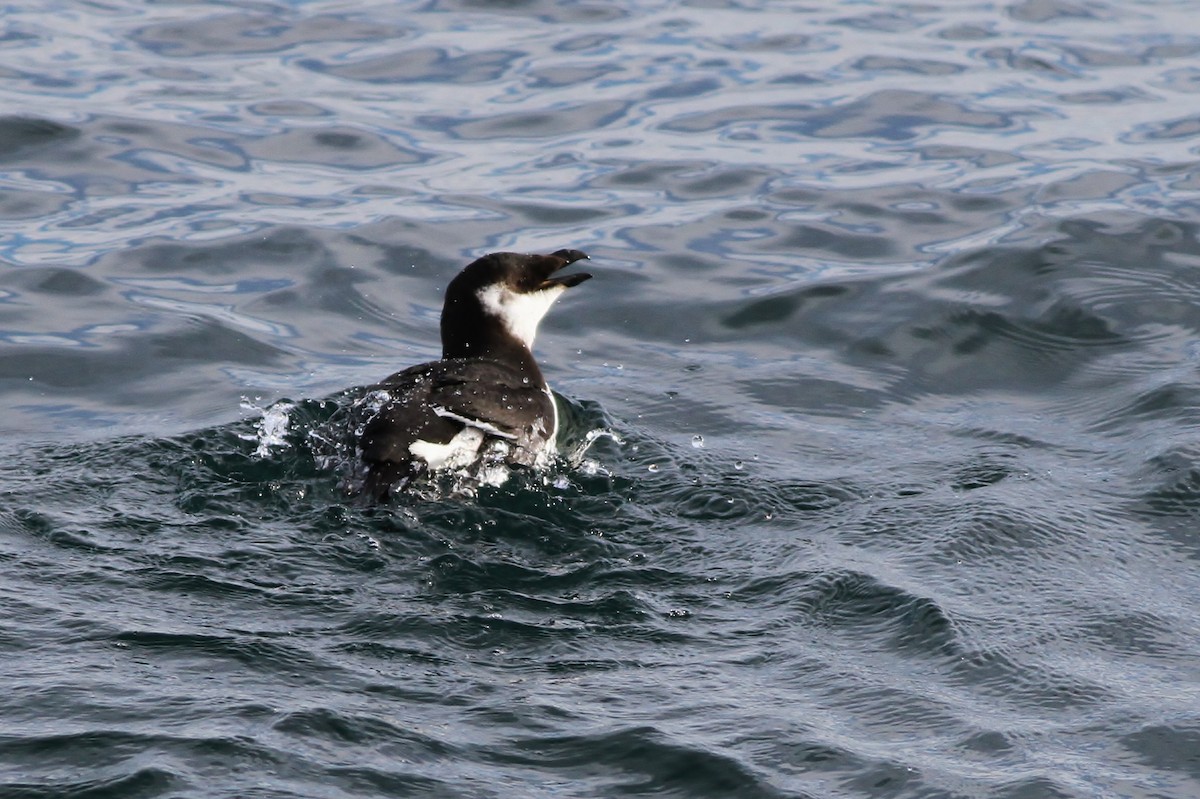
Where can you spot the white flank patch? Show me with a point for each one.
(463, 449)
(519, 313)
(454, 454)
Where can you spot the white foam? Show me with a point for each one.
(272, 427)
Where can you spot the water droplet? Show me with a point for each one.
(652, 467)
(524, 379)
(698, 441)
(739, 465)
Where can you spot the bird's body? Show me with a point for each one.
(483, 407)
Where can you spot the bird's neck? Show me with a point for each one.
(485, 336)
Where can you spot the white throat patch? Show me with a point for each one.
(519, 313)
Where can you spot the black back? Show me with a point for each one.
(487, 376)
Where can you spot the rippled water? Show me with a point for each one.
(894, 323)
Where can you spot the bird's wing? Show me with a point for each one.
(434, 402)
(493, 397)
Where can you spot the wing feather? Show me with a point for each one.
(434, 402)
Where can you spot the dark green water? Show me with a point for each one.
(893, 332)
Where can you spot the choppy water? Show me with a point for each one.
(895, 318)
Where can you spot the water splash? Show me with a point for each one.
(272, 427)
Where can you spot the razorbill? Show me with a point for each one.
(485, 405)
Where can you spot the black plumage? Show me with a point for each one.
(485, 403)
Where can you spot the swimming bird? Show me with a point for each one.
(484, 406)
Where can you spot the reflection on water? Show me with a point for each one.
(920, 278)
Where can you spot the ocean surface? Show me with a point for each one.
(881, 469)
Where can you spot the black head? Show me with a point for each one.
(495, 303)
